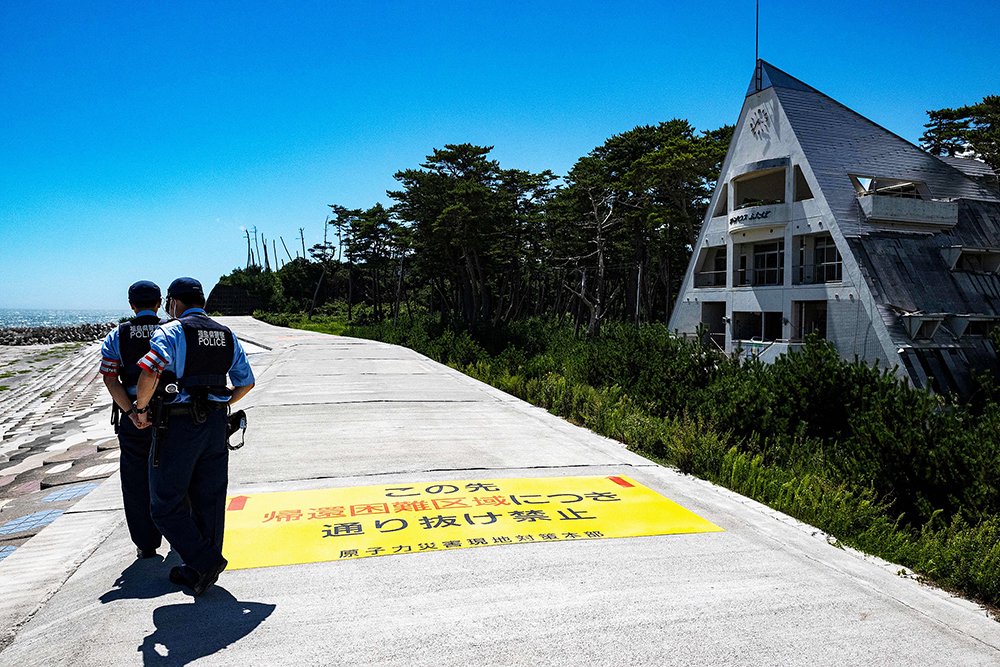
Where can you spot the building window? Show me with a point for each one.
(889, 187)
(818, 261)
(927, 330)
(722, 208)
(980, 328)
(713, 320)
(802, 190)
(746, 326)
(759, 188)
(773, 323)
(922, 327)
(979, 260)
(713, 268)
(743, 275)
(766, 326)
(769, 263)
(826, 257)
(808, 317)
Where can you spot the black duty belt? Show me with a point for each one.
(185, 408)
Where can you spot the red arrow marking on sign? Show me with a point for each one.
(237, 503)
(621, 482)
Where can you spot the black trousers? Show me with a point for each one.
(188, 488)
(134, 466)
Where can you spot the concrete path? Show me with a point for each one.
(338, 412)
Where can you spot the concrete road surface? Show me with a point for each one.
(332, 413)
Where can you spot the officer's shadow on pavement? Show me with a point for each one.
(142, 580)
(188, 631)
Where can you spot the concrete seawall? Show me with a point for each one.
(334, 414)
(48, 335)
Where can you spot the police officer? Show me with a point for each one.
(189, 464)
(122, 349)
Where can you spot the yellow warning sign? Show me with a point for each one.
(284, 528)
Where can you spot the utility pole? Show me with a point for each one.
(302, 237)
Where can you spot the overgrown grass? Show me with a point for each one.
(902, 474)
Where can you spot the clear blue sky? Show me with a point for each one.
(139, 138)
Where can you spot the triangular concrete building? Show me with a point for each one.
(823, 221)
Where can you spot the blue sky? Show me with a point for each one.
(138, 139)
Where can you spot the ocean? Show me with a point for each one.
(32, 317)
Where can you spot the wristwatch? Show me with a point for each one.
(138, 410)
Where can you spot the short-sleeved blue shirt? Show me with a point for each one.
(168, 351)
(111, 355)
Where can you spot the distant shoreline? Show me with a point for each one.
(25, 318)
(74, 333)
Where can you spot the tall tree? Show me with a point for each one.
(469, 222)
(638, 199)
(345, 221)
(946, 132)
(984, 134)
(972, 129)
(372, 242)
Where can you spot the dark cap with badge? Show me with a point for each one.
(143, 291)
(183, 287)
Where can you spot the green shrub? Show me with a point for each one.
(851, 449)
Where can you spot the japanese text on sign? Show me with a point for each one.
(333, 524)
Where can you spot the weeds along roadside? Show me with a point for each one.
(898, 473)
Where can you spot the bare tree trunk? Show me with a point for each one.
(638, 293)
(350, 291)
(399, 291)
(316, 291)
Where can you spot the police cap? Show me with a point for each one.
(183, 287)
(143, 291)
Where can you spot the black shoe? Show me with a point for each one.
(145, 553)
(184, 575)
(209, 578)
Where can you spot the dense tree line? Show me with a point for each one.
(485, 245)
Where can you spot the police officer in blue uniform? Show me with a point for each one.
(191, 356)
(122, 349)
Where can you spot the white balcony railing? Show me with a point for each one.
(909, 211)
(766, 351)
(710, 278)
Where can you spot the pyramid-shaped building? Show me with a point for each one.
(824, 222)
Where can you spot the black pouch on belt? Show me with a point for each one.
(237, 422)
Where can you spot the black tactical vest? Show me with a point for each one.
(133, 344)
(209, 355)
